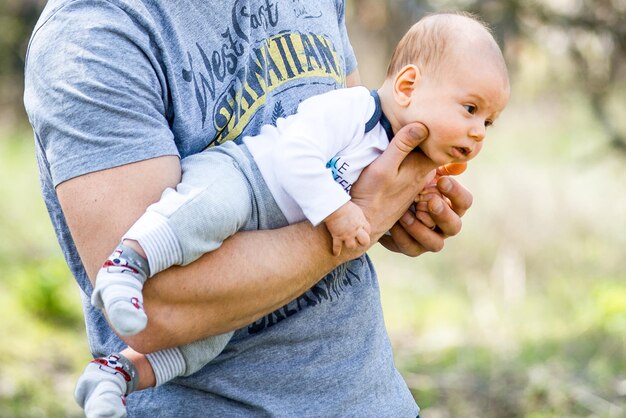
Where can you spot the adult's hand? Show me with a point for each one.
(431, 191)
(412, 237)
(387, 188)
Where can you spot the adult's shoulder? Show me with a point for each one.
(86, 25)
(92, 89)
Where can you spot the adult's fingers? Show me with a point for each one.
(425, 218)
(415, 238)
(448, 221)
(447, 214)
(460, 198)
(388, 242)
(400, 241)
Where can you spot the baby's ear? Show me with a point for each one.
(405, 81)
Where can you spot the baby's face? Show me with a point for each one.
(457, 107)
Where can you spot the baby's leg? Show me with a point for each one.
(211, 203)
(102, 388)
(187, 359)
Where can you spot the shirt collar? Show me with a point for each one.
(379, 117)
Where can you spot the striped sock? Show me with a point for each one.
(167, 364)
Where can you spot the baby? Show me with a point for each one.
(447, 73)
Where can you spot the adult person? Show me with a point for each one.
(117, 91)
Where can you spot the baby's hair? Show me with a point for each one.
(427, 41)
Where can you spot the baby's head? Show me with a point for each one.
(448, 73)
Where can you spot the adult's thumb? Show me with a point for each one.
(405, 141)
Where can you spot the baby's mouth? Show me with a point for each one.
(462, 151)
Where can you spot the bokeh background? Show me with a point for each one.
(522, 315)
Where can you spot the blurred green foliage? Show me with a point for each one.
(43, 339)
(42, 287)
(524, 313)
(17, 19)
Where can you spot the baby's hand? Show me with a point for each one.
(422, 200)
(348, 226)
(422, 213)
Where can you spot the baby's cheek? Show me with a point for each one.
(429, 147)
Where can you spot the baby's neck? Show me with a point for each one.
(388, 104)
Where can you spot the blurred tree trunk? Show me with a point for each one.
(17, 19)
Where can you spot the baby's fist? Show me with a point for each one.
(348, 226)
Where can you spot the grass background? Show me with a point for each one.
(522, 315)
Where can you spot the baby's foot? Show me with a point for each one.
(101, 389)
(118, 291)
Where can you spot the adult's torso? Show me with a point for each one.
(215, 73)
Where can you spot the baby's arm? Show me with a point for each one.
(348, 226)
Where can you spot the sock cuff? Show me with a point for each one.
(134, 259)
(158, 241)
(167, 364)
(129, 367)
(121, 368)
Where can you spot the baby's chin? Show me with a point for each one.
(442, 159)
(454, 157)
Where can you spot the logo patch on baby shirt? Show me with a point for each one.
(339, 168)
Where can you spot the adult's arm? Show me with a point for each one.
(223, 290)
(236, 284)
(92, 114)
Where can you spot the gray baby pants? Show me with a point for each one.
(220, 193)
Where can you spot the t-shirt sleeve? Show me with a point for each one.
(94, 91)
(350, 62)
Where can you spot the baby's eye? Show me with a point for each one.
(488, 123)
(471, 109)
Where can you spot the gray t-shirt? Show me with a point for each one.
(111, 82)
